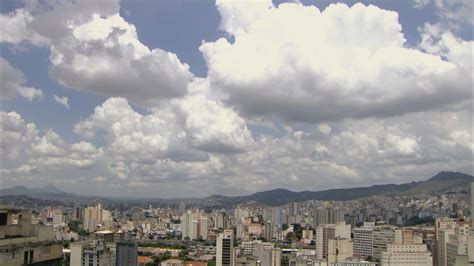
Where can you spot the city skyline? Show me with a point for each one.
(177, 99)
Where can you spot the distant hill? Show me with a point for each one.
(49, 192)
(49, 189)
(440, 183)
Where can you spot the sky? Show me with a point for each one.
(194, 98)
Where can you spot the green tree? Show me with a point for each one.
(74, 225)
(83, 232)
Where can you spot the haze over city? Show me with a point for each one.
(189, 99)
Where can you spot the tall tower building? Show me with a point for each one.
(225, 249)
(339, 250)
(321, 216)
(383, 236)
(335, 216)
(182, 207)
(293, 209)
(126, 253)
(364, 240)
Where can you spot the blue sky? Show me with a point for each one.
(175, 26)
(245, 122)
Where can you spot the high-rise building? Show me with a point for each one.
(194, 225)
(339, 250)
(457, 245)
(336, 216)
(447, 231)
(268, 231)
(321, 216)
(364, 240)
(225, 255)
(126, 253)
(267, 255)
(276, 216)
(294, 209)
(407, 254)
(95, 216)
(182, 207)
(324, 232)
(407, 249)
(327, 216)
(91, 253)
(203, 228)
(383, 236)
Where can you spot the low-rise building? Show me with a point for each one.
(24, 243)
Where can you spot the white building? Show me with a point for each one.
(384, 236)
(225, 254)
(324, 232)
(411, 254)
(364, 241)
(340, 250)
(95, 253)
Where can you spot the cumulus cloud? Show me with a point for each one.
(183, 132)
(306, 65)
(455, 11)
(211, 125)
(62, 100)
(94, 49)
(26, 150)
(373, 110)
(438, 40)
(15, 28)
(12, 83)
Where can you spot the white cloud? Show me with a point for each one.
(94, 49)
(438, 40)
(455, 12)
(15, 28)
(30, 93)
(25, 149)
(324, 128)
(12, 83)
(344, 68)
(420, 4)
(62, 100)
(305, 65)
(209, 124)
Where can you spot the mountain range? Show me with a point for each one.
(440, 183)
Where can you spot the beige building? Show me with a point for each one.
(339, 250)
(383, 236)
(452, 240)
(364, 240)
(407, 254)
(324, 232)
(24, 243)
(96, 216)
